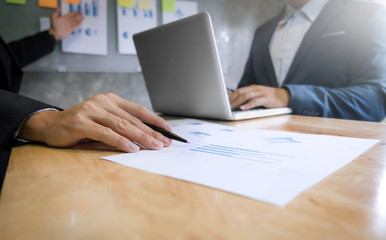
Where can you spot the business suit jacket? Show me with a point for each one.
(14, 108)
(339, 70)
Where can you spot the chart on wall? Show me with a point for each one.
(142, 15)
(181, 10)
(91, 36)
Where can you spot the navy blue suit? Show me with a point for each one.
(339, 70)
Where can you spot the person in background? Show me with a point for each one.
(104, 117)
(320, 58)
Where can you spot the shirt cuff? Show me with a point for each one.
(16, 134)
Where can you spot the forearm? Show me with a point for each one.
(360, 102)
(31, 48)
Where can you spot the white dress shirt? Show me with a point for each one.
(289, 34)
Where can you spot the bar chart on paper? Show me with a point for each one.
(242, 154)
(131, 20)
(271, 166)
(91, 36)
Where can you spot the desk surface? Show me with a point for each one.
(71, 193)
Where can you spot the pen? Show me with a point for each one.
(166, 133)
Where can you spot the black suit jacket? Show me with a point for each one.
(14, 108)
(339, 70)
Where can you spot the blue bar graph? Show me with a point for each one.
(240, 153)
(72, 8)
(90, 8)
(95, 8)
(86, 9)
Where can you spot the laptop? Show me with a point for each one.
(182, 71)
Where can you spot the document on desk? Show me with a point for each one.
(270, 166)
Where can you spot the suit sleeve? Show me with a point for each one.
(14, 109)
(30, 49)
(364, 98)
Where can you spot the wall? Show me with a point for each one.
(234, 23)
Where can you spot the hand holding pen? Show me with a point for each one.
(103, 117)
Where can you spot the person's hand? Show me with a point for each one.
(259, 96)
(104, 117)
(62, 26)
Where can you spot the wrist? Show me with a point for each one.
(284, 96)
(34, 128)
(53, 34)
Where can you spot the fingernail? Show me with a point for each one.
(166, 140)
(132, 147)
(156, 144)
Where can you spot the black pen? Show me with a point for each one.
(166, 133)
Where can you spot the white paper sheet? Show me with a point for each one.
(271, 166)
(183, 9)
(91, 36)
(131, 21)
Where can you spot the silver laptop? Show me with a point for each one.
(182, 71)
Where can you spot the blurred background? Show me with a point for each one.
(65, 79)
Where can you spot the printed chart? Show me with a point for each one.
(132, 20)
(182, 9)
(91, 36)
(271, 166)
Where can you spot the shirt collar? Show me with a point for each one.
(311, 10)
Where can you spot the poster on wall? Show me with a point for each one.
(131, 20)
(182, 9)
(91, 36)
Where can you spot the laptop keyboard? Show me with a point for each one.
(236, 110)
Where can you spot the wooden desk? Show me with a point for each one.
(71, 193)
